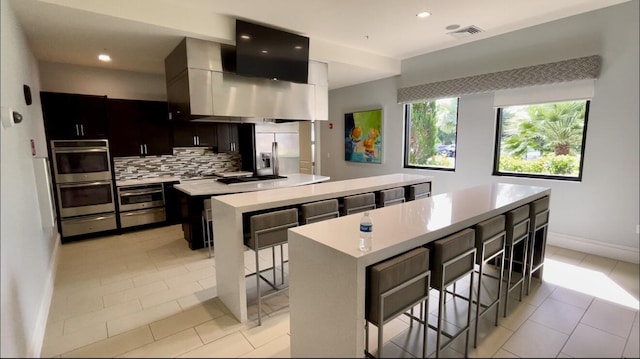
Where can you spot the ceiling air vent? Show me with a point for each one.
(465, 31)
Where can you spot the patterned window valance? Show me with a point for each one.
(555, 72)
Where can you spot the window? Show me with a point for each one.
(542, 140)
(430, 134)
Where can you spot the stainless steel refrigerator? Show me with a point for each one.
(281, 158)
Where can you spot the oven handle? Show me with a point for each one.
(84, 184)
(92, 219)
(79, 150)
(142, 211)
(140, 192)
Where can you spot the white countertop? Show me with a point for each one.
(140, 181)
(207, 187)
(246, 202)
(421, 220)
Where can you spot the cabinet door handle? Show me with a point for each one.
(194, 140)
(141, 152)
(77, 130)
(82, 129)
(198, 140)
(145, 149)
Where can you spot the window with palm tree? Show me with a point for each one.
(542, 140)
(430, 138)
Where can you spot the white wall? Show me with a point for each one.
(98, 81)
(27, 250)
(598, 215)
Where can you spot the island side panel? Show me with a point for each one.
(229, 256)
(326, 299)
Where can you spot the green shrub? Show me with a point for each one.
(439, 161)
(549, 164)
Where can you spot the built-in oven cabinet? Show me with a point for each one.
(88, 224)
(141, 204)
(74, 116)
(142, 217)
(85, 198)
(80, 160)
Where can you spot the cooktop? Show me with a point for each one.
(234, 180)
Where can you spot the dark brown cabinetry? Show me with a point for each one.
(138, 128)
(193, 134)
(228, 138)
(73, 116)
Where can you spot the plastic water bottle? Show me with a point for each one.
(366, 233)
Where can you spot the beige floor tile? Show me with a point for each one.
(504, 354)
(490, 339)
(137, 270)
(568, 256)
(609, 317)
(278, 348)
(208, 282)
(218, 328)
(187, 319)
(632, 347)
(572, 297)
(78, 305)
(535, 340)
(558, 315)
(101, 316)
(198, 297)
(133, 293)
(272, 327)
(114, 346)
(169, 347)
(56, 345)
(169, 295)
(159, 275)
(233, 345)
(599, 264)
(143, 317)
(591, 342)
(191, 276)
(519, 312)
(204, 262)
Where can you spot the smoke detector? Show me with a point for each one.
(465, 31)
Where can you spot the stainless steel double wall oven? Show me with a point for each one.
(84, 186)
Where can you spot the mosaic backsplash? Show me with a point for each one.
(186, 162)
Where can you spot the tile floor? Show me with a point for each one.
(146, 294)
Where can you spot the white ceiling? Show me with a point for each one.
(361, 40)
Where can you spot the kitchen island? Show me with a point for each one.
(230, 211)
(328, 272)
(193, 193)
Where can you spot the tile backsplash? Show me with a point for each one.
(186, 162)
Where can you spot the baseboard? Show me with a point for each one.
(35, 348)
(613, 251)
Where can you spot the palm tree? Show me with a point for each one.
(556, 127)
(422, 136)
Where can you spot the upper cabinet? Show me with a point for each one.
(74, 116)
(228, 138)
(195, 134)
(138, 128)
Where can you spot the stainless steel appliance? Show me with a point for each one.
(277, 148)
(141, 204)
(78, 161)
(84, 186)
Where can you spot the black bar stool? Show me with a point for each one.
(517, 228)
(393, 287)
(269, 230)
(452, 259)
(539, 217)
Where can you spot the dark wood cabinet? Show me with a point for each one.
(228, 138)
(74, 116)
(194, 134)
(138, 128)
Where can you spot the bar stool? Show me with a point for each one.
(517, 230)
(269, 230)
(419, 190)
(359, 203)
(452, 259)
(207, 225)
(391, 196)
(393, 287)
(318, 211)
(490, 239)
(539, 217)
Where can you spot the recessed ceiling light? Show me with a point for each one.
(423, 14)
(265, 51)
(104, 57)
(245, 37)
(298, 47)
(452, 27)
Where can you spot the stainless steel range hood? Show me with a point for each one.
(202, 86)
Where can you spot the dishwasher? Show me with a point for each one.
(141, 204)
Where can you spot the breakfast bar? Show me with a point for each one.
(328, 272)
(228, 212)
